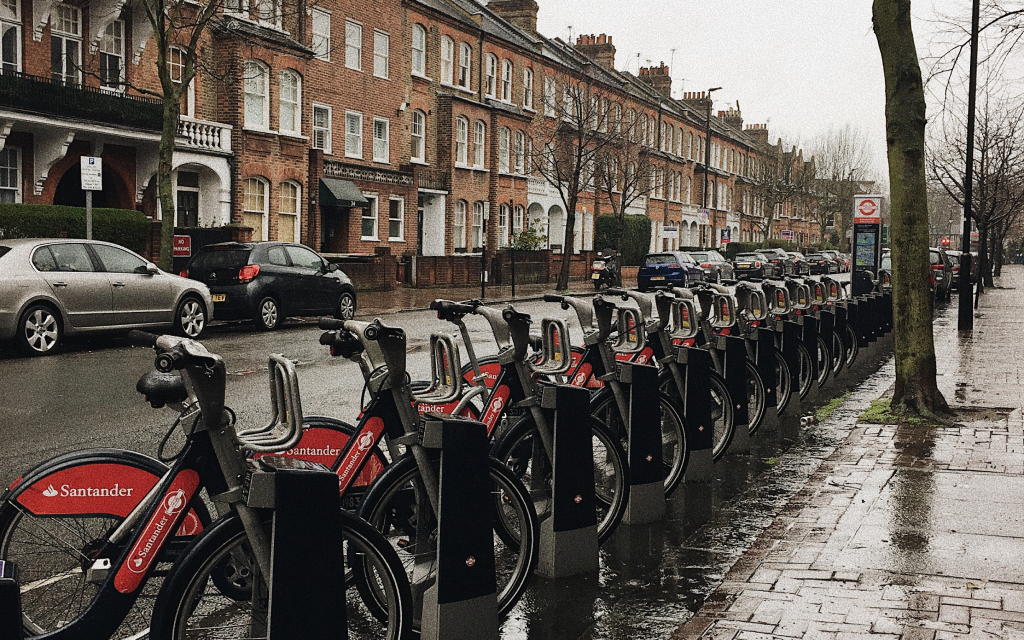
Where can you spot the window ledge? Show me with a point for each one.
(369, 238)
(294, 136)
(530, 110)
(422, 163)
(402, 240)
(420, 76)
(459, 87)
(384, 162)
(258, 130)
(353, 157)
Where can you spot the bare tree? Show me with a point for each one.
(916, 391)
(570, 145)
(780, 177)
(842, 164)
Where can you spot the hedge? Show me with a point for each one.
(636, 240)
(121, 226)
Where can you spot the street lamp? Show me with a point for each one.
(707, 158)
(965, 312)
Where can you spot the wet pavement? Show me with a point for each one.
(902, 531)
(400, 298)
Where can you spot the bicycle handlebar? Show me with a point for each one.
(449, 310)
(142, 338)
(553, 297)
(330, 324)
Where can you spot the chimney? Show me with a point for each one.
(598, 48)
(521, 13)
(697, 100)
(659, 78)
(732, 117)
(758, 132)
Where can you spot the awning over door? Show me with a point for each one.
(335, 192)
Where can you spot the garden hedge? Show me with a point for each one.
(636, 240)
(121, 226)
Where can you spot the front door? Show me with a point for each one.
(188, 209)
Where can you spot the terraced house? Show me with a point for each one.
(419, 126)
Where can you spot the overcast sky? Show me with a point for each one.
(800, 66)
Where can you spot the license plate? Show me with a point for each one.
(743, 266)
(219, 297)
(595, 276)
(658, 278)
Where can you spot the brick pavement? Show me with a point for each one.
(903, 531)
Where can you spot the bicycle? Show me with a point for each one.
(88, 543)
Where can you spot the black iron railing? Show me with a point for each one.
(35, 94)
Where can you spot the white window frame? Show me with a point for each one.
(400, 219)
(479, 142)
(326, 133)
(353, 45)
(491, 76)
(527, 88)
(381, 145)
(504, 149)
(294, 103)
(276, 12)
(519, 151)
(297, 214)
(419, 50)
(321, 34)
(113, 44)
(507, 69)
(503, 216)
(550, 91)
(459, 225)
(461, 141)
(10, 172)
(420, 135)
(370, 212)
(518, 219)
(381, 53)
(247, 200)
(67, 29)
(465, 65)
(256, 83)
(447, 60)
(10, 21)
(353, 137)
(478, 233)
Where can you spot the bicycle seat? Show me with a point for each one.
(161, 388)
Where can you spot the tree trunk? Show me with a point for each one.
(916, 391)
(567, 245)
(985, 268)
(165, 188)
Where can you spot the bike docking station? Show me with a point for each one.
(800, 298)
(691, 367)
(734, 350)
(761, 341)
(10, 602)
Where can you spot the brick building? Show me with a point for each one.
(411, 125)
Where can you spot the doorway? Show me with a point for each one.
(188, 209)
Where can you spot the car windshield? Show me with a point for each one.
(699, 257)
(817, 256)
(749, 256)
(934, 255)
(660, 259)
(220, 259)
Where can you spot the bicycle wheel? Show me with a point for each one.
(783, 382)
(392, 506)
(805, 378)
(824, 361)
(196, 601)
(674, 451)
(520, 448)
(854, 348)
(838, 353)
(722, 418)
(755, 397)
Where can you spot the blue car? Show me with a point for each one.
(668, 269)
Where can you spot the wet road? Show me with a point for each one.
(652, 578)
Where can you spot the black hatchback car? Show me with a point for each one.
(268, 281)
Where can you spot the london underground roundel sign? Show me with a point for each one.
(867, 209)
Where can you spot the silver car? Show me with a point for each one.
(52, 288)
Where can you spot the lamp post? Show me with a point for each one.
(707, 159)
(965, 312)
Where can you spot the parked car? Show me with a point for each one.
(752, 265)
(836, 260)
(269, 281)
(57, 288)
(822, 264)
(847, 261)
(803, 268)
(781, 262)
(715, 266)
(668, 269)
(942, 273)
(955, 261)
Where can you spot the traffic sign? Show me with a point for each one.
(867, 209)
(92, 173)
(182, 247)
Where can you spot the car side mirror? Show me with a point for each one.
(149, 268)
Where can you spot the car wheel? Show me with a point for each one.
(346, 307)
(39, 331)
(190, 318)
(268, 314)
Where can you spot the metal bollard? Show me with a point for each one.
(307, 579)
(646, 466)
(10, 602)
(764, 350)
(736, 381)
(463, 602)
(568, 539)
(700, 428)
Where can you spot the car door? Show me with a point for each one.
(138, 296)
(318, 288)
(284, 279)
(82, 290)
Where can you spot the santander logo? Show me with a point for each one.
(69, 491)
(365, 441)
(50, 492)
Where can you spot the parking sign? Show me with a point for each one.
(92, 173)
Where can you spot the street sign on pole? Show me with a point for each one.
(92, 180)
(867, 209)
(867, 241)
